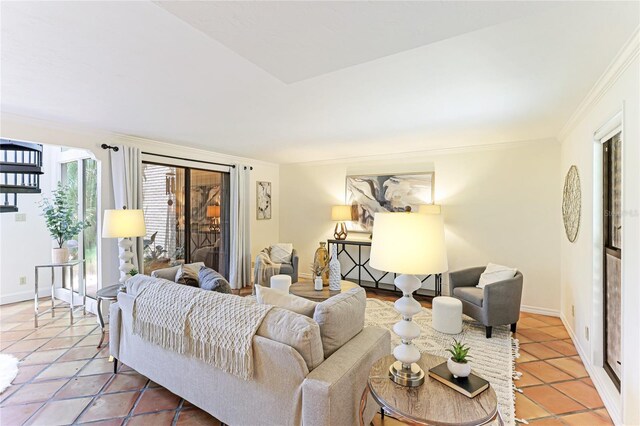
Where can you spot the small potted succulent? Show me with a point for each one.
(458, 363)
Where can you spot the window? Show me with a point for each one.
(81, 176)
(187, 214)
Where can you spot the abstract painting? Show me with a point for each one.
(263, 200)
(369, 194)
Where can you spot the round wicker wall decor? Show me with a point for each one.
(571, 203)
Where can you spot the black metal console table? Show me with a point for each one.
(362, 266)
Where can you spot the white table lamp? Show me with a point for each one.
(124, 224)
(340, 214)
(409, 244)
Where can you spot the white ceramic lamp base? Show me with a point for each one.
(405, 371)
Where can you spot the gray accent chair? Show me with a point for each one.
(291, 269)
(496, 304)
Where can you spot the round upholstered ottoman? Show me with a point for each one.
(447, 315)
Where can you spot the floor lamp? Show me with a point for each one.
(409, 244)
(124, 224)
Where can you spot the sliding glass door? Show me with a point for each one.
(81, 175)
(186, 213)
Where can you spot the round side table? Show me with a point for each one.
(429, 404)
(304, 288)
(105, 293)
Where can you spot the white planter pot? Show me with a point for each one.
(459, 369)
(317, 283)
(60, 255)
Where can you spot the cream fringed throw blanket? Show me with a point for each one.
(265, 268)
(213, 327)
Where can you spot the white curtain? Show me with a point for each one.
(126, 174)
(240, 237)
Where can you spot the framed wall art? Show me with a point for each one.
(263, 200)
(369, 194)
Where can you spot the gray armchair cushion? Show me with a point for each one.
(286, 269)
(470, 294)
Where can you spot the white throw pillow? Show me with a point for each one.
(281, 252)
(494, 273)
(270, 296)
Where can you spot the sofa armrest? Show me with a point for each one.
(501, 300)
(115, 325)
(331, 393)
(465, 278)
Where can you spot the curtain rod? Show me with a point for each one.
(197, 161)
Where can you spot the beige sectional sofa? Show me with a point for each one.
(292, 382)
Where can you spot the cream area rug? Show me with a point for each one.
(8, 370)
(493, 358)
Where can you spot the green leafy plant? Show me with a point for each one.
(133, 272)
(153, 251)
(459, 352)
(60, 215)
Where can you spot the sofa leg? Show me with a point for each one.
(115, 366)
(488, 331)
(513, 327)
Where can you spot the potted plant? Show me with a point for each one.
(61, 221)
(317, 271)
(458, 363)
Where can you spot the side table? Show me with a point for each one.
(65, 267)
(105, 293)
(432, 403)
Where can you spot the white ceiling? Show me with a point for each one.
(301, 81)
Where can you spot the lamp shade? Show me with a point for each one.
(213, 211)
(123, 224)
(430, 209)
(341, 213)
(408, 243)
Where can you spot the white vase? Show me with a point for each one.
(459, 369)
(334, 270)
(317, 283)
(60, 255)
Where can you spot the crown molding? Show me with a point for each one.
(625, 57)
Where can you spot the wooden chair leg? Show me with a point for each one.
(513, 327)
(488, 331)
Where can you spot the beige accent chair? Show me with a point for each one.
(306, 372)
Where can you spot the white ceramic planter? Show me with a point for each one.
(459, 369)
(317, 283)
(60, 255)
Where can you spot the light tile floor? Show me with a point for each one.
(64, 379)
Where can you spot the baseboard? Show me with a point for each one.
(540, 311)
(607, 391)
(21, 296)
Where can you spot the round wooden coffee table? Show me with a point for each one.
(304, 288)
(430, 404)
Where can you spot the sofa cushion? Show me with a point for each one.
(495, 273)
(470, 294)
(295, 330)
(281, 252)
(269, 296)
(340, 318)
(188, 274)
(166, 273)
(286, 268)
(209, 279)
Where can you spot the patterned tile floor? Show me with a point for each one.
(64, 379)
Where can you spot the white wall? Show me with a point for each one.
(618, 90)
(24, 244)
(21, 128)
(500, 203)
